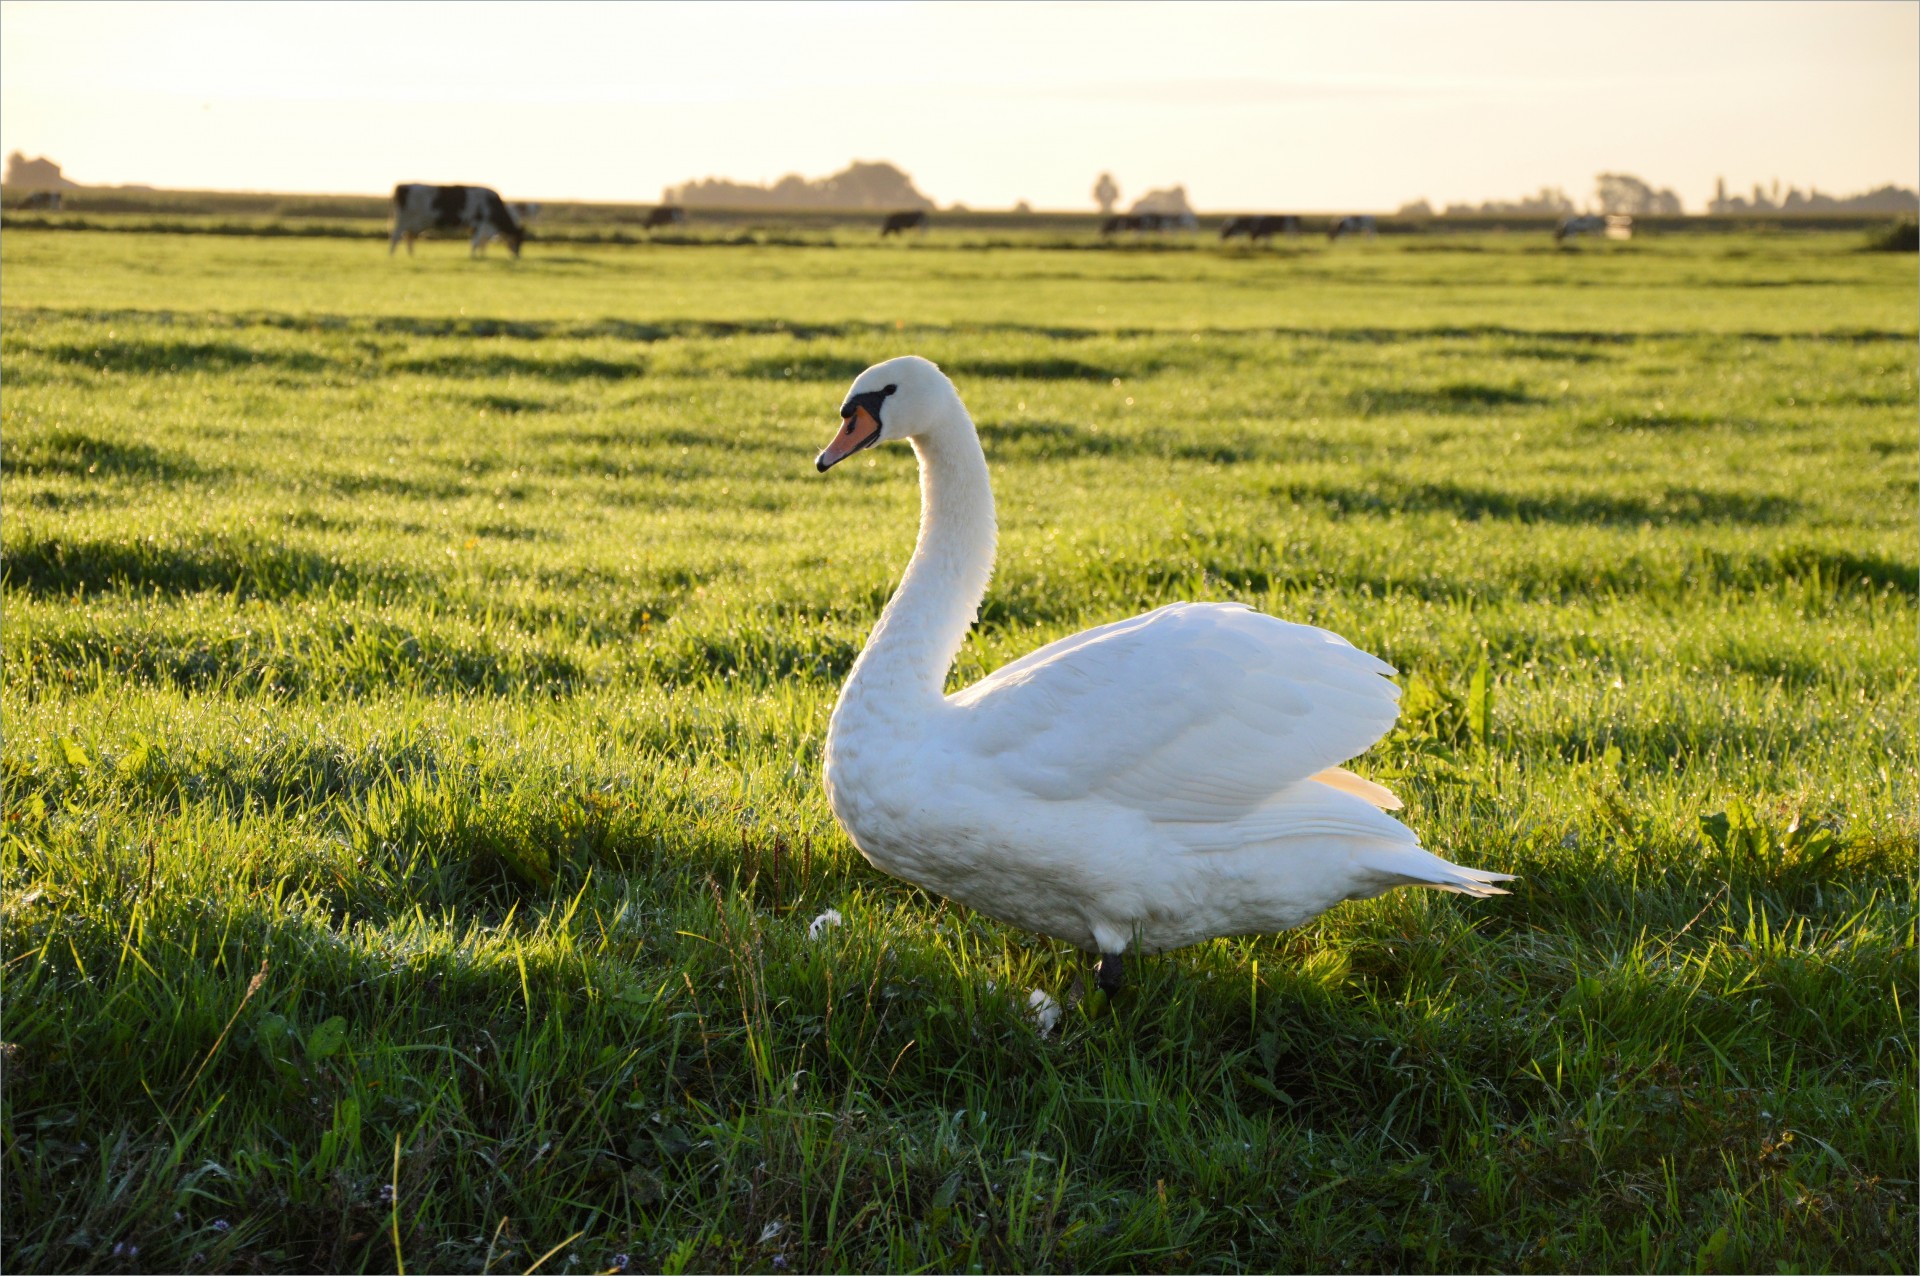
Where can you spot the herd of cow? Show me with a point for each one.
(480, 212)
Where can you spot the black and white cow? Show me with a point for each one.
(1612, 225)
(1360, 224)
(665, 215)
(898, 222)
(478, 209)
(1569, 227)
(1259, 228)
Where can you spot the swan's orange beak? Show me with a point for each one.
(861, 429)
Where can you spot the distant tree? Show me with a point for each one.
(1419, 208)
(1894, 200)
(1023, 207)
(860, 185)
(1106, 193)
(1551, 201)
(1625, 193)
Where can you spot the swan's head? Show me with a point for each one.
(904, 398)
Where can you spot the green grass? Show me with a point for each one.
(416, 671)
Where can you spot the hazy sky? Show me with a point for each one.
(1306, 106)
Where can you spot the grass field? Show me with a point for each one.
(416, 673)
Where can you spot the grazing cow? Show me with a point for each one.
(897, 222)
(665, 215)
(1569, 227)
(44, 201)
(1361, 224)
(1259, 228)
(479, 209)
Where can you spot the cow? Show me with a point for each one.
(1259, 228)
(897, 222)
(43, 201)
(479, 209)
(1359, 224)
(1355, 224)
(665, 215)
(1569, 227)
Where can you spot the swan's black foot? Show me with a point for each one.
(1110, 974)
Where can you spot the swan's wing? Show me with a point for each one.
(1193, 712)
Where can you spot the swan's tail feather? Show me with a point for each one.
(1413, 866)
(1338, 777)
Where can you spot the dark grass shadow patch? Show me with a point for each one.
(52, 565)
(393, 485)
(750, 655)
(344, 655)
(171, 357)
(1047, 369)
(1462, 396)
(1062, 441)
(1653, 421)
(514, 532)
(1839, 569)
(508, 404)
(74, 452)
(1867, 399)
(494, 363)
(1554, 354)
(1687, 505)
(812, 367)
(1049, 440)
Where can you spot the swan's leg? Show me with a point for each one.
(1111, 973)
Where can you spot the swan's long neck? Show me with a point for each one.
(910, 650)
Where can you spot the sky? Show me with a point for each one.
(1299, 106)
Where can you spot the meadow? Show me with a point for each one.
(416, 672)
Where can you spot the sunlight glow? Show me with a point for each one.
(1298, 106)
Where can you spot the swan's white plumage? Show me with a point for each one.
(1148, 783)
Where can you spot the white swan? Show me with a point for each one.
(1146, 784)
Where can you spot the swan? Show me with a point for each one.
(1144, 785)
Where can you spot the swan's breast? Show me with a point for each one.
(924, 809)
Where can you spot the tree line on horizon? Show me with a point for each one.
(1625, 193)
(878, 185)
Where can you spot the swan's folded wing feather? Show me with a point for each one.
(1195, 711)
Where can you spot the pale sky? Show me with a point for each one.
(1300, 106)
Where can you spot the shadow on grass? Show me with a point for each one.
(508, 404)
(1532, 342)
(1461, 397)
(168, 357)
(1031, 440)
(494, 363)
(74, 452)
(1687, 505)
(1623, 421)
(1054, 369)
(51, 565)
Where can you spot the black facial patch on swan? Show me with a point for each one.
(870, 400)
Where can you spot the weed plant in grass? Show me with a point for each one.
(415, 674)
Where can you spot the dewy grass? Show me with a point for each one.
(456, 640)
